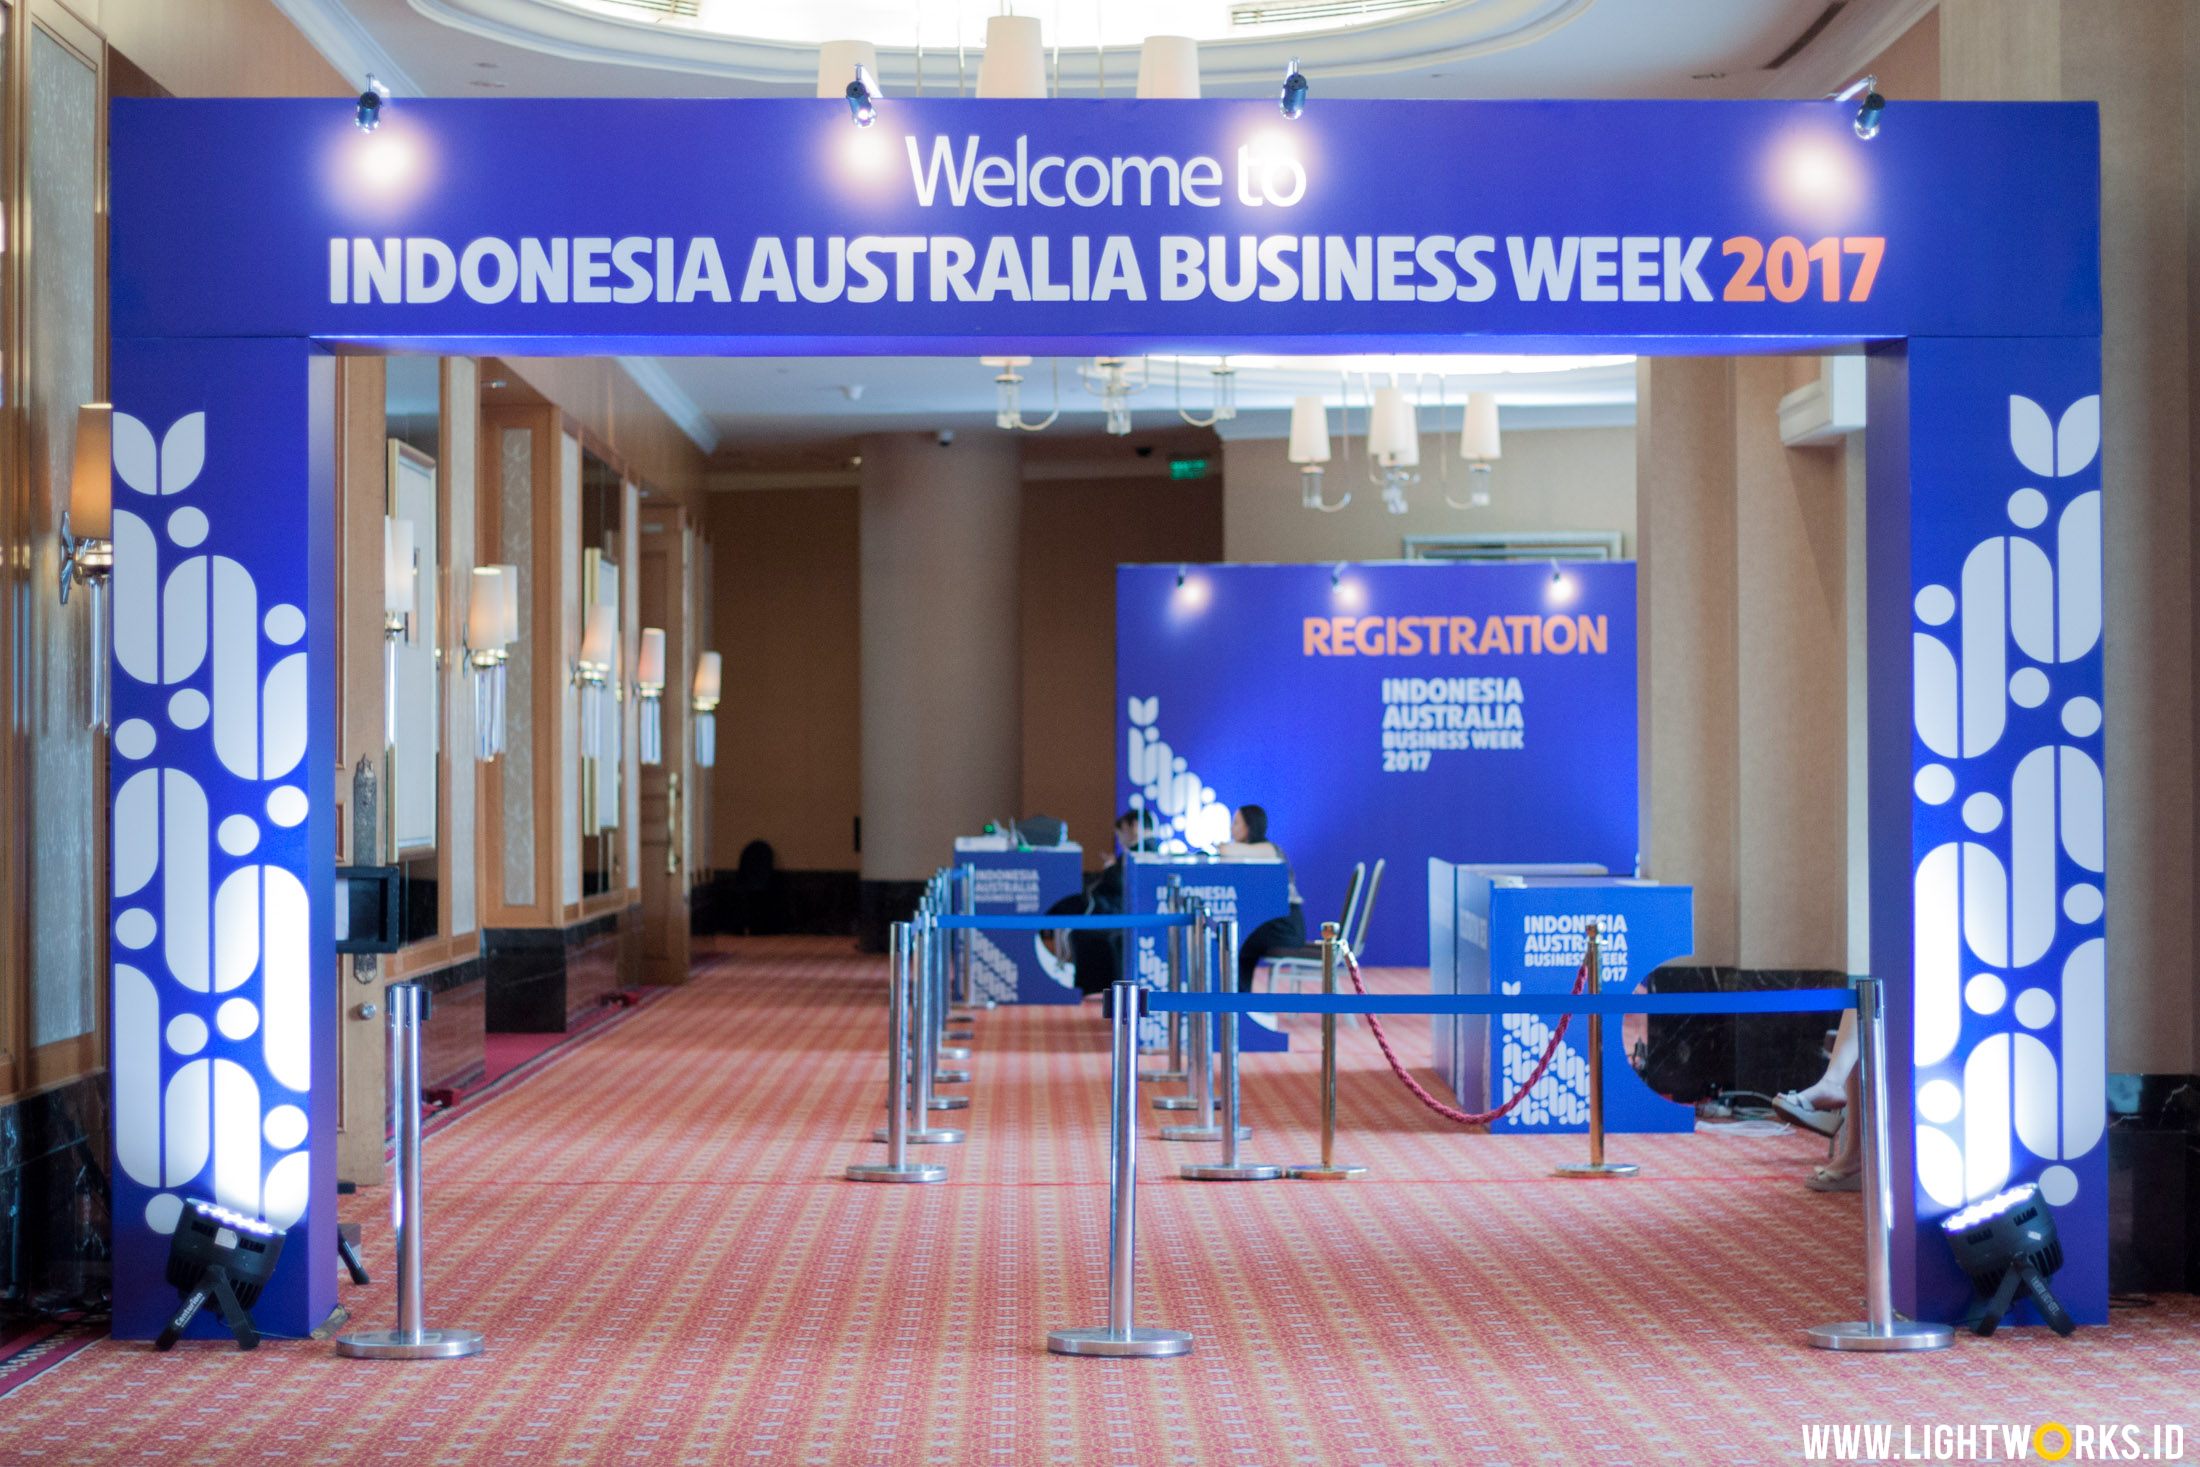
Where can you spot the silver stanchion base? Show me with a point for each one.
(961, 1036)
(948, 1051)
(1316, 1172)
(929, 1136)
(1174, 1102)
(1597, 1169)
(1135, 1343)
(1906, 1334)
(1244, 1171)
(1166, 1077)
(397, 1344)
(1202, 1133)
(950, 1102)
(916, 1171)
(951, 1077)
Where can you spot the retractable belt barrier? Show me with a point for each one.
(1096, 922)
(1879, 1331)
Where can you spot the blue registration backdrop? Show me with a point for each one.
(1400, 711)
(1015, 967)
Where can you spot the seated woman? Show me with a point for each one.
(1249, 838)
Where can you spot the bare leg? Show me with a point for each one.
(1834, 1088)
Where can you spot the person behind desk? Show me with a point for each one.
(1097, 955)
(1249, 839)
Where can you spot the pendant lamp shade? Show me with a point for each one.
(1168, 66)
(91, 476)
(649, 669)
(508, 601)
(397, 567)
(836, 66)
(485, 611)
(1309, 431)
(1014, 64)
(1393, 439)
(1479, 439)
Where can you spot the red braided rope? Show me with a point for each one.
(1550, 1051)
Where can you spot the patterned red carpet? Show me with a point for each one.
(653, 1233)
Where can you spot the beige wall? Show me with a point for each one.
(789, 744)
(217, 48)
(1549, 479)
(1075, 533)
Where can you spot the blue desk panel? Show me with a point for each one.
(1510, 933)
(1015, 967)
(1251, 891)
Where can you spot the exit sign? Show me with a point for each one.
(1187, 468)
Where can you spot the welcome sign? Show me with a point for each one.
(782, 227)
(1483, 713)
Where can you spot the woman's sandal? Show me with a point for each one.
(1793, 1107)
(1826, 1179)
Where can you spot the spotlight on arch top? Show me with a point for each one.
(1292, 99)
(863, 97)
(1870, 106)
(369, 115)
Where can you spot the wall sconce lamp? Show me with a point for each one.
(649, 693)
(1478, 444)
(400, 576)
(708, 673)
(592, 674)
(487, 635)
(87, 535)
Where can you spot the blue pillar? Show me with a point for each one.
(221, 796)
(1987, 804)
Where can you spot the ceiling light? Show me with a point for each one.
(1168, 66)
(1008, 408)
(1110, 379)
(1870, 106)
(863, 98)
(1225, 383)
(369, 115)
(1293, 97)
(1393, 445)
(1014, 64)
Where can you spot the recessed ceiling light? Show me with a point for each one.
(1708, 76)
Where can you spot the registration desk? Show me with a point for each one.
(1520, 930)
(1016, 967)
(1251, 891)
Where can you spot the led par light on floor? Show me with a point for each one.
(223, 1256)
(2006, 1243)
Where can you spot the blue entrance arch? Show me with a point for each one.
(1959, 249)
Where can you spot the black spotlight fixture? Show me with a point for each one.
(223, 1256)
(2006, 1243)
(863, 97)
(369, 116)
(1870, 106)
(1292, 99)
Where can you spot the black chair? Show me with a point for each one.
(751, 889)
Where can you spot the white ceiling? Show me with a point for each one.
(1464, 49)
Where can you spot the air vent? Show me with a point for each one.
(1298, 12)
(1810, 33)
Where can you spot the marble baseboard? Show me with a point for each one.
(539, 978)
(2154, 1183)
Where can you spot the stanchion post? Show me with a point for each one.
(412, 1339)
(1597, 1166)
(1201, 976)
(967, 947)
(1172, 948)
(1120, 1336)
(1230, 1169)
(897, 1167)
(1188, 975)
(1879, 1331)
(1328, 1169)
